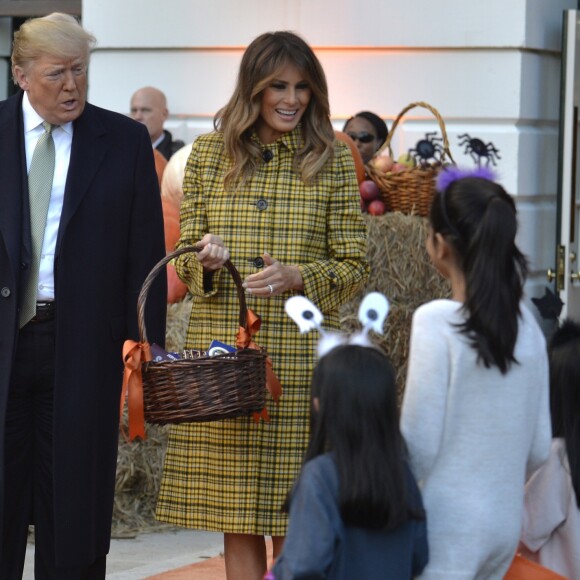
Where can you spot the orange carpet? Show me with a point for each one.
(210, 569)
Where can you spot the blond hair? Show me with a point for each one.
(58, 35)
(261, 62)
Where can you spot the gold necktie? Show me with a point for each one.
(39, 187)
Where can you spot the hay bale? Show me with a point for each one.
(140, 463)
(139, 467)
(177, 323)
(402, 271)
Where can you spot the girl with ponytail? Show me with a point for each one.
(475, 412)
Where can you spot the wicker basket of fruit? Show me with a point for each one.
(408, 185)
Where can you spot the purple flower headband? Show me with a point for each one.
(452, 173)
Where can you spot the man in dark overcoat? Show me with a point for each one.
(61, 364)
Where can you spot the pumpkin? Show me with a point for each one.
(172, 182)
(176, 289)
(160, 164)
(171, 224)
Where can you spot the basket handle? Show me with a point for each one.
(161, 264)
(437, 115)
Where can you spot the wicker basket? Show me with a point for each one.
(205, 388)
(410, 191)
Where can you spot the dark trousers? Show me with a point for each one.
(28, 473)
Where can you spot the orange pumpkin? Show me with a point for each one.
(358, 162)
(160, 164)
(171, 224)
(176, 289)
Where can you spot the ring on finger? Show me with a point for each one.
(271, 288)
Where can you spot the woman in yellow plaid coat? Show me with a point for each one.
(272, 188)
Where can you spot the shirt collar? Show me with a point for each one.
(32, 119)
(292, 140)
(158, 140)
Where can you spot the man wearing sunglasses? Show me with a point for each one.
(368, 131)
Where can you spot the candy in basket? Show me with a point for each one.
(184, 389)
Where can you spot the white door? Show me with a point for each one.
(566, 274)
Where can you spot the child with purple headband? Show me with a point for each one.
(475, 413)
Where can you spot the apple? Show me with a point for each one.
(363, 205)
(383, 163)
(406, 159)
(398, 167)
(369, 190)
(376, 207)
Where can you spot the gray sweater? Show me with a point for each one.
(474, 436)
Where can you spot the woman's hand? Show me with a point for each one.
(214, 253)
(274, 279)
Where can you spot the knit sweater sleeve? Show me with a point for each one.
(547, 499)
(425, 398)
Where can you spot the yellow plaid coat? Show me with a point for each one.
(233, 475)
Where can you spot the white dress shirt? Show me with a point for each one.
(158, 140)
(62, 137)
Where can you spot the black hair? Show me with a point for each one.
(358, 421)
(564, 356)
(478, 218)
(378, 123)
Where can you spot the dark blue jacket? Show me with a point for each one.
(319, 545)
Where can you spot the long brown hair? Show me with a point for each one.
(261, 62)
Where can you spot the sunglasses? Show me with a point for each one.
(363, 137)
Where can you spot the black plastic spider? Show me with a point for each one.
(428, 148)
(478, 149)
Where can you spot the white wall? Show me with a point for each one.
(490, 68)
(414, 23)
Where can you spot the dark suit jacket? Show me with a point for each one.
(110, 236)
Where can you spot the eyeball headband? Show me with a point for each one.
(372, 312)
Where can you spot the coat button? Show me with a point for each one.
(5, 292)
(259, 262)
(262, 204)
(23, 266)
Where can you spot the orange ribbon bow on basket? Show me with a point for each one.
(134, 355)
(244, 339)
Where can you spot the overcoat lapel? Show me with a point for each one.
(89, 147)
